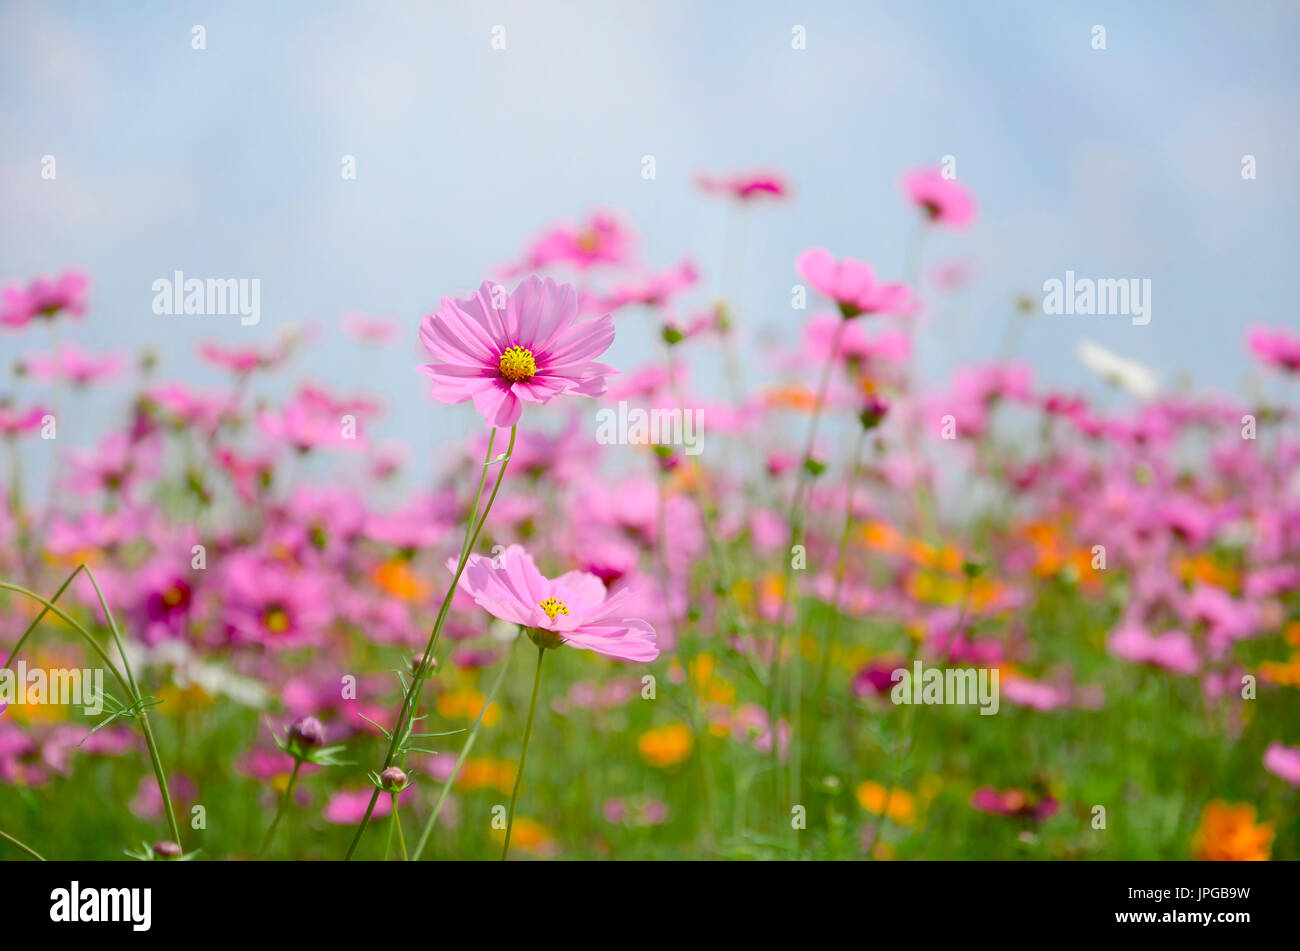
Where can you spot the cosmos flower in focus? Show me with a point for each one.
(503, 350)
(943, 200)
(572, 609)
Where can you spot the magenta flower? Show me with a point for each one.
(15, 421)
(1014, 802)
(942, 199)
(264, 602)
(501, 351)
(745, 186)
(43, 298)
(572, 609)
(1276, 346)
(852, 285)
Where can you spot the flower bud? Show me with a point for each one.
(418, 659)
(874, 408)
(392, 779)
(167, 851)
(305, 735)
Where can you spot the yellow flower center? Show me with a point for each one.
(276, 621)
(553, 607)
(589, 241)
(517, 364)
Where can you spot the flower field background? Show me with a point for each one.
(652, 606)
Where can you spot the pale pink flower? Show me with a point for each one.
(72, 364)
(1283, 762)
(574, 607)
(942, 199)
(852, 285)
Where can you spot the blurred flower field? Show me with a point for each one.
(695, 641)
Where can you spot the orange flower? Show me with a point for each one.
(485, 773)
(790, 397)
(397, 578)
(465, 704)
(531, 836)
(898, 803)
(883, 537)
(1228, 832)
(666, 745)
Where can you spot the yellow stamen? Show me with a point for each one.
(553, 607)
(517, 364)
(276, 621)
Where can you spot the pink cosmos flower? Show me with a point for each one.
(347, 806)
(43, 298)
(370, 330)
(574, 607)
(852, 285)
(265, 602)
(653, 290)
(304, 425)
(1283, 762)
(74, 365)
(1276, 346)
(1175, 651)
(601, 239)
(745, 186)
(942, 199)
(243, 361)
(1014, 802)
(529, 348)
(15, 421)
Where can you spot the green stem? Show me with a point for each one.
(464, 754)
(40, 617)
(18, 845)
(144, 714)
(840, 565)
(75, 625)
(279, 812)
(422, 672)
(523, 754)
(796, 535)
(397, 824)
(128, 682)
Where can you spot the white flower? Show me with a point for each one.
(1111, 367)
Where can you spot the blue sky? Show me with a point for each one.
(1123, 162)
